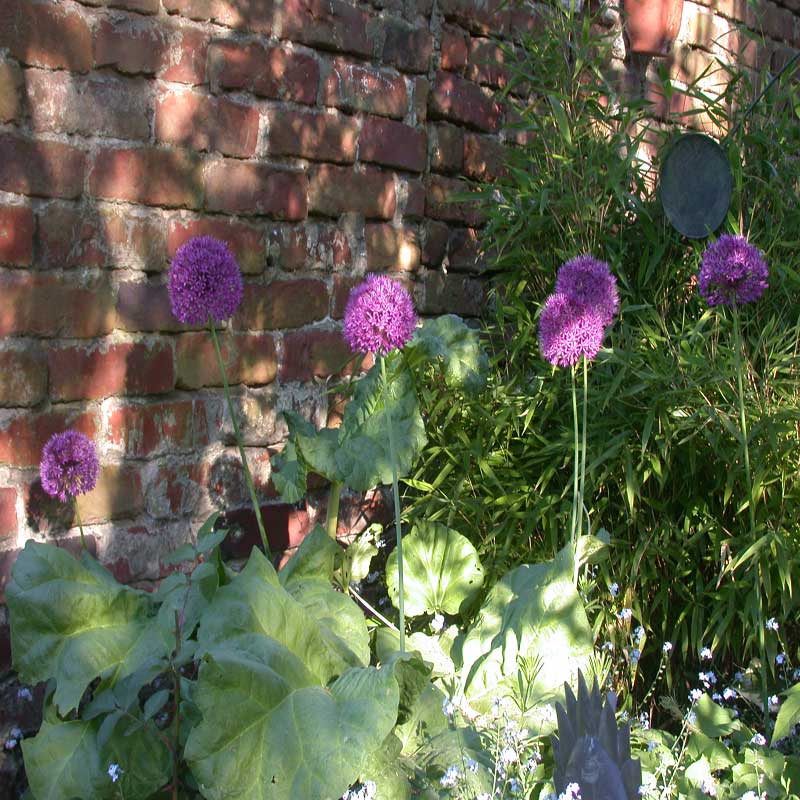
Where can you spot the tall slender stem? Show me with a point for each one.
(332, 519)
(574, 520)
(583, 446)
(247, 476)
(80, 524)
(396, 492)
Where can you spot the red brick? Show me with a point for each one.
(419, 101)
(407, 48)
(465, 252)
(145, 307)
(49, 305)
(393, 144)
(207, 123)
(484, 158)
(315, 354)
(455, 49)
(486, 60)
(390, 247)
(282, 304)
(492, 16)
(337, 190)
(288, 247)
(117, 495)
(454, 294)
(342, 286)
(131, 45)
(461, 101)
(272, 72)
(44, 169)
(249, 358)
(140, 6)
(70, 237)
(10, 84)
(255, 15)
(147, 175)
(23, 377)
(16, 235)
(134, 240)
(434, 237)
(320, 137)
(356, 87)
(247, 243)
(173, 490)
(327, 24)
(777, 22)
(441, 205)
(23, 437)
(253, 188)
(46, 35)
(329, 249)
(414, 207)
(62, 103)
(8, 512)
(143, 430)
(447, 151)
(97, 371)
(185, 61)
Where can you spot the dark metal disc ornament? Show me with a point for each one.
(696, 185)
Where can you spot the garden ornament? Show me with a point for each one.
(590, 750)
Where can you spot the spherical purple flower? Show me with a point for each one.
(379, 316)
(589, 282)
(568, 331)
(69, 465)
(204, 281)
(732, 272)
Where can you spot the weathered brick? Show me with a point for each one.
(462, 101)
(207, 123)
(102, 370)
(144, 430)
(255, 15)
(484, 158)
(23, 436)
(314, 354)
(16, 235)
(173, 490)
(492, 16)
(454, 49)
(10, 84)
(117, 495)
(69, 236)
(419, 100)
(407, 48)
(336, 190)
(282, 304)
(253, 188)
(46, 35)
(246, 242)
(414, 207)
(44, 169)
(148, 175)
(465, 251)
(390, 247)
(327, 24)
(320, 137)
(8, 512)
(185, 61)
(447, 150)
(312, 247)
(486, 63)
(134, 240)
(63, 103)
(23, 377)
(440, 202)
(394, 144)
(249, 358)
(342, 286)
(434, 238)
(777, 22)
(49, 305)
(453, 293)
(272, 72)
(145, 307)
(288, 247)
(356, 87)
(131, 45)
(140, 6)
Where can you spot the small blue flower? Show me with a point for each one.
(695, 695)
(759, 740)
(614, 589)
(728, 693)
(706, 654)
(771, 624)
(635, 656)
(638, 634)
(666, 647)
(780, 658)
(450, 777)
(114, 772)
(625, 614)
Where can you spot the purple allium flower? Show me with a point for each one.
(379, 316)
(567, 331)
(69, 465)
(732, 272)
(588, 282)
(204, 281)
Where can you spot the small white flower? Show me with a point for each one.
(691, 718)
(695, 695)
(437, 623)
(708, 679)
(572, 792)
(614, 589)
(644, 721)
(666, 647)
(706, 654)
(450, 777)
(708, 786)
(729, 693)
(24, 693)
(751, 795)
(758, 740)
(638, 634)
(608, 646)
(774, 701)
(771, 624)
(508, 755)
(625, 614)
(472, 764)
(114, 772)
(370, 789)
(10, 744)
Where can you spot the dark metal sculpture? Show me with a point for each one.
(591, 751)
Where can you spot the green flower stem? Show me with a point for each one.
(583, 446)
(248, 477)
(332, 520)
(80, 524)
(396, 491)
(573, 532)
(374, 611)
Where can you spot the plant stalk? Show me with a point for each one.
(332, 519)
(581, 507)
(574, 520)
(80, 524)
(247, 476)
(396, 492)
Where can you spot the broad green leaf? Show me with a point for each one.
(532, 613)
(289, 474)
(432, 652)
(442, 571)
(269, 732)
(73, 622)
(789, 713)
(315, 558)
(358, 557)
(189, 598)
(385, 767)
(717, 755)
(412, 676)
(453, 747)
(713, 720)
(458, 346)
(426, 721)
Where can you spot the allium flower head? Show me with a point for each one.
(204, 281)
(379, 316)
(732, 272)
(568, 331)
(589, 283)
(69, 465)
